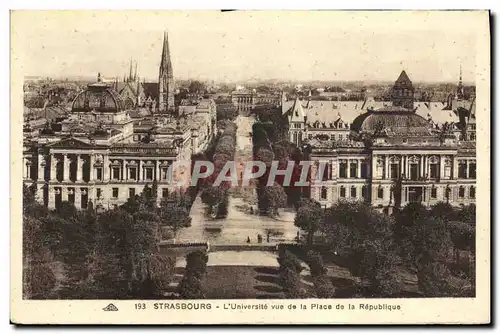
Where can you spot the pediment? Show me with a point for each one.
(70, 143)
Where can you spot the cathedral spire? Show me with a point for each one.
(166, 64)
(166, 78)
(135, 71)
(460, 87)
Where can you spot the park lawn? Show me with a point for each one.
(241, 282)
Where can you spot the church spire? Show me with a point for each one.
(166, 64)
(135, 71)
(460, 87)
(166, 78)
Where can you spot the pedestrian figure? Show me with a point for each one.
(298, 236)
(248, 240)
(268, 236)
(259, 238)
(251, 210)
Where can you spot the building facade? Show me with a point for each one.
(387, 154)
(245, 100)
(99, 154)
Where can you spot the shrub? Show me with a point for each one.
(190, 288)
(196, 264)
(323, 287)
(292, 285)
(288, 260)
(41, 280)
(162, 270)
(316, 264)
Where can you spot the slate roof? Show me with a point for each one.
(151, 89)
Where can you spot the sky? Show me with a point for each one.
(238, 46)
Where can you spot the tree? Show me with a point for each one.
(433, 279)
(309, 218)
(444, 211)
(274, 197)
(38, 277)
(467, 214)
(174, 215)
(316, 265)
(463, 237)
(196, 266)
(265, 155)
(197, 87)
(363, 237)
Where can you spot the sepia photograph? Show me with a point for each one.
(294, 156)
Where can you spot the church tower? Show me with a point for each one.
(403, 93)
(166, 79)
(460, 87)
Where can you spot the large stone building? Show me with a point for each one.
(245, 100)
(100, 154)
(387, 155)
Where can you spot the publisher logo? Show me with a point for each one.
(110, 307)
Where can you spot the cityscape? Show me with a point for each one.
(387, 209)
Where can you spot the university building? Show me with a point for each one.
(388, 155)
(100, 154)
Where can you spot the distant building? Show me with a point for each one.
(245, 100)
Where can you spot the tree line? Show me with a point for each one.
(70, 253)
(379, 249)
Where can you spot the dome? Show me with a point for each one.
(392, 118)
(99, 97)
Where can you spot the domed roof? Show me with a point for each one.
(99, 97)
(389, 118)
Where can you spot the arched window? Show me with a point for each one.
(472, 192)
(324, 193)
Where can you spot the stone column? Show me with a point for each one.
(53, 167)
(124, 170)
(64, 194)
(348, 168)
(359, 168)
(386, 167)
(105, 168)
(421, 166)
(66, 164)
(52, 198)
(140, 177)
(41, 167)
(157, 170)
(374, 168)
(467, 168)
(455, 168)
(407, 166)
(401, 166)
(79, 168)
(441, 166)
(91, 168)
(78, 198)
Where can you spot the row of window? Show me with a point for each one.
(133, 173)
(339, 137)
(380, 192)
(464, 171)
(343, 194)
(131, 192)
